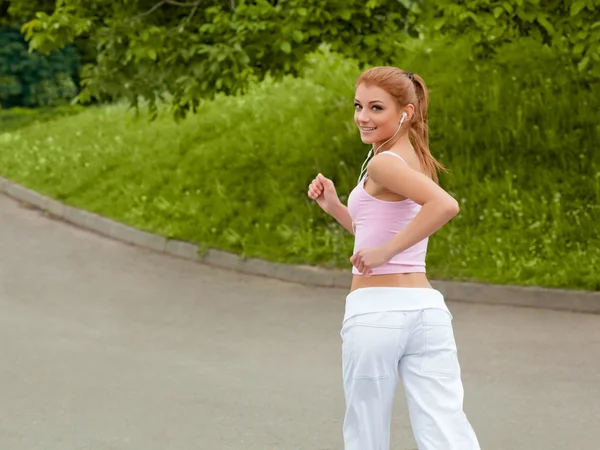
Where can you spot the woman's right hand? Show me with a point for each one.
(322, 190)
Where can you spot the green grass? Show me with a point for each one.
(521, 149)
(15, 118)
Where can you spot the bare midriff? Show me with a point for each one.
(410, 280)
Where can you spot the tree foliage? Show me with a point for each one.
(183, 51)
(569, 25)
(33, 79)
(187, 50)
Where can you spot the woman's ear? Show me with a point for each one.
(410, 111)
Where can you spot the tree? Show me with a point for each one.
(15, 13)
(183, 51)
(32, 79)
(569, 25)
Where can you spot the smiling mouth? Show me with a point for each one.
(368, 129)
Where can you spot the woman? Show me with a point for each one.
(395, 323)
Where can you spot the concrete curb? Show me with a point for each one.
(534, 297)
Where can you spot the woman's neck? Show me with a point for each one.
(399, 142)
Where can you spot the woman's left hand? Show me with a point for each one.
(367, 259)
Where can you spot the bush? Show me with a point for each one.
(570, 26)
(233, 177)
(517, 133)
(32, 79)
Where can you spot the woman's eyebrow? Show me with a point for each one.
(371, 102)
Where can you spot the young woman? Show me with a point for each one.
(395, 323)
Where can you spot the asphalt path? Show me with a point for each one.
(109, 346)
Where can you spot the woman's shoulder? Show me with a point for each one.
(394, 154)
(408, 158)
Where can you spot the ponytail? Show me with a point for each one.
(419, 131)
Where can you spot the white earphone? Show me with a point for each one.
(363, 169)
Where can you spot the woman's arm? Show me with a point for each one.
(322, 190)
(438, 207)
(340, 213)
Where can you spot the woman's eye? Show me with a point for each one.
(377, 108)
(357, 106)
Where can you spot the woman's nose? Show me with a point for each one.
(362, 116)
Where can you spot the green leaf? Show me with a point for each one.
(152, 54)
(576, 7)
(498, 12)
(489, 20)
(583, 64)
(297, 35)
(508, 7)
(579, 48)
(439, 23)
(543, 21)
(527, 16)
(286, 47)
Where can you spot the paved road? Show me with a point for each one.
(107, 346)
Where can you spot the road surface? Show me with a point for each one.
(108, 346)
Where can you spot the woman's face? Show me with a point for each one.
(376, 114)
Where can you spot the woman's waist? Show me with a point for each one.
(399, 280)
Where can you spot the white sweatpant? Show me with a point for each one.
(402, 332)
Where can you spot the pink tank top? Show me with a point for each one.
(375, 221)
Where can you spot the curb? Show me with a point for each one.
(524, 296)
